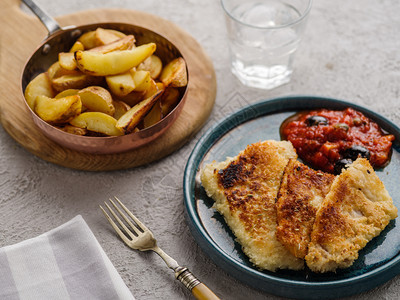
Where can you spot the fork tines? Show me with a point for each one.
(133, 231)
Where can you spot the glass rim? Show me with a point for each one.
(301, 18)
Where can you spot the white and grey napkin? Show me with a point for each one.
(64, 263)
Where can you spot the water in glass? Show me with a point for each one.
(262, 43)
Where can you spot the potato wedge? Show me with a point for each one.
(73, 130)
(141, 80)
(58, 110)
(112, 63)
(98, 122)
(174, 73)
(99, 37)
(121, 84)
(96, 98)
(132, 117)
(169, 100)
(154, 116)
(88, 40)
(121, 44)
(39, 86)
(153, 64)
(106, 36)
(160, 86)
(69, 92)
(133, 98)
(55, 71)
(151, 89)
(77, 46)
(120, 108)
(67, 60)
(75, 81)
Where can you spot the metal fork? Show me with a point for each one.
(139, 237)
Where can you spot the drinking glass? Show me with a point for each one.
(263, 38)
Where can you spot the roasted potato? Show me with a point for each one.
(169, 100)
(174, 73)
(121, 84)
(133, 97)
(154, 116)
(74, 81)
(65, 93)
(153, 64)
(88, 40)
(73, 129)
(39, 86)
(98, 122)
(121, 44)
(97, 98)
(152, 89)
(112, 63)
(105, 36)
(141, 80)
(120, 108)
(58, 110)
(55, 71)
(67, 60)
(77, 46)
(160, 86)
(99, 37)
(132, 117)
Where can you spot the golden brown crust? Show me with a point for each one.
(244, 184)
(357, 208)
(245, 189)
(301, 192)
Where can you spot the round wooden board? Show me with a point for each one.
(19, 42)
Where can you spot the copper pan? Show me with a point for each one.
(61, 40)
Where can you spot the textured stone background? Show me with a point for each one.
(350, 51)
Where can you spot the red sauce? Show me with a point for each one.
(323, 144)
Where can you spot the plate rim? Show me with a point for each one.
(255, 278)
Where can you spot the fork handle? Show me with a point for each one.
(199, 290)
(202, 292)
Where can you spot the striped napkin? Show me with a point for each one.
(64, 263)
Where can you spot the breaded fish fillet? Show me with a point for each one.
(300, 195)
(357, 208)
(244, 189)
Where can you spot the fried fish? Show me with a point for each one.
(301, 193)
(356, 209)
(244, 189)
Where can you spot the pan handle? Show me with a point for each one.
(51, 24)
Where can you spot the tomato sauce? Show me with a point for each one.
(326, 138)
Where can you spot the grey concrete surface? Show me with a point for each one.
(350, 51)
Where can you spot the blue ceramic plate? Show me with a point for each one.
(378, 262)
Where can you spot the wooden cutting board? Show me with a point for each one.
(21, 34)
